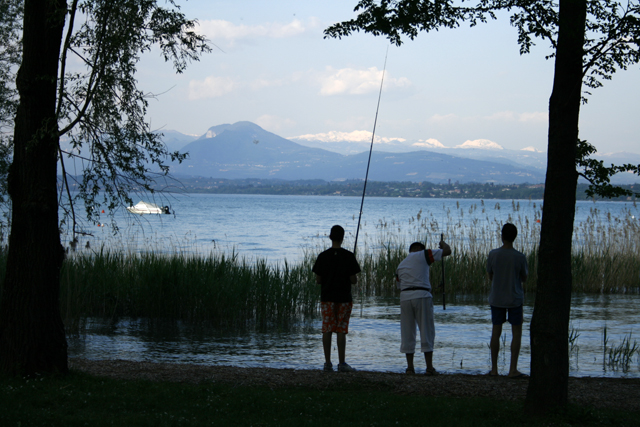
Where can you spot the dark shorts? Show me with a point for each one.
(499, 315)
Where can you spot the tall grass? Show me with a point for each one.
(226, 289)
(605, 259)
(619, 356)
(221, 289)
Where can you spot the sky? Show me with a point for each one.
(271, 65)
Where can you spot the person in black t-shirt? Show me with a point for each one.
(336, 270)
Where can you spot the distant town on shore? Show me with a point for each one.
(351, 188)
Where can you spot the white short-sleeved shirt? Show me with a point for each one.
(413, 272)
(507, 266)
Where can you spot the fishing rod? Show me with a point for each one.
(373, 134)
(444, 305)
(366, 177)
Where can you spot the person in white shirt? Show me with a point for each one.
(416, 302)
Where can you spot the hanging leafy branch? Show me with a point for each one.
(599, 176)
(101, 111)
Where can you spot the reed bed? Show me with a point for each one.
(227, 289)
(606, 249)
(219, 289)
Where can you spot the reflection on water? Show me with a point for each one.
(463, 331)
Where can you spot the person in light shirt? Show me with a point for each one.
(416, 302)
(507, 269)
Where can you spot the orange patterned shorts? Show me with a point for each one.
(335, 316)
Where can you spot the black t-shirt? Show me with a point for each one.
(335, 266)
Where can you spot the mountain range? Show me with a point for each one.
(245, 150)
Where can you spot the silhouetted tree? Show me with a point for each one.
(101, 110)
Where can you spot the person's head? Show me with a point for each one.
(509, 232)
(337, 234)
(416, 246)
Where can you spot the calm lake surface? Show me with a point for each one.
(463, 332)
(284, 227)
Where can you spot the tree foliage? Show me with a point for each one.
(100, 108)
(10, 30)
(599, 176)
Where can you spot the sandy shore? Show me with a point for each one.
(621, 393)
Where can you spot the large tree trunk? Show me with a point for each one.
(550, 322)
(32, 337)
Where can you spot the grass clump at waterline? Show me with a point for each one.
(80, 399)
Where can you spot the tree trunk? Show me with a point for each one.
(550, 322)
(32, 337)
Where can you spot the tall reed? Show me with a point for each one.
(619, 356)
(220, 289)
(226, 289)
(606, 249)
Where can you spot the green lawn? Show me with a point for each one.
(83, 400)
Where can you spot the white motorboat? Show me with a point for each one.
(143, 208)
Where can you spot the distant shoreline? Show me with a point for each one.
(353, 188)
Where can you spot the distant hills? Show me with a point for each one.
(357, 142)
(245, 150)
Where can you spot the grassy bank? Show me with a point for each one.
(80, 399)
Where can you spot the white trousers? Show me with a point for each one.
(418, 312)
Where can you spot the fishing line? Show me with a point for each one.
(373, 134)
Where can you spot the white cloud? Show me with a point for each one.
(357, 82)
(262, 83)
(439, 118)
(502, 115)
(355, 136)
(533, 149)
(484, 144)
(210, 87)
(274, 123)
(428, 143)
(510, 116)
(224, 31)
(536, 117)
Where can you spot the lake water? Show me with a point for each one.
(283, 227)
(463, 332)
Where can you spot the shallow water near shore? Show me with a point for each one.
(463, 331)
